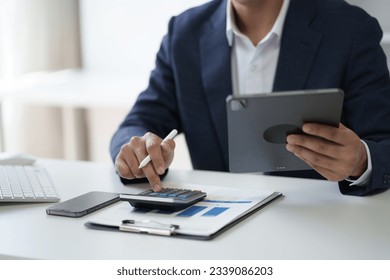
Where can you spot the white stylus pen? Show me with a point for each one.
(146, 160)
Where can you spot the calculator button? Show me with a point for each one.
(146, 192)
(184, 195)
(152, 194)
(162, 194)
(169, 191)
(195, 193)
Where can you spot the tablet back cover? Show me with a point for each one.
(259, 124)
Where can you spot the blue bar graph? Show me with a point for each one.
(189, 212)
(215, 211)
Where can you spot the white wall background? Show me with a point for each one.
(124, 36)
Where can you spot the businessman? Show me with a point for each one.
(251, 46)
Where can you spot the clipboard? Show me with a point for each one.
(124, 218)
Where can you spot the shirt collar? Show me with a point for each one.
(277, 29)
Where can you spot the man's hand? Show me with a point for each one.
(335, 153)
(131, 154)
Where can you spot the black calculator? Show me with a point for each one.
(171, 199)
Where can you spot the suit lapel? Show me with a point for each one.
(216, 73)
(298, 47)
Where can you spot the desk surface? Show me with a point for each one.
(312, 221)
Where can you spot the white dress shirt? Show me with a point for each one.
(254, 67)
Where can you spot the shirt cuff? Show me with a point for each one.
(363, 180)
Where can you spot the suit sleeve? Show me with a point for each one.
(155, 109)
(367, 104)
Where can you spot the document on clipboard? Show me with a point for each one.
(221, 209)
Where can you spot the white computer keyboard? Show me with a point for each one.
(26, 183)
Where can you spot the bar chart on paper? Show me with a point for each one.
(204, 210)
(211, 211)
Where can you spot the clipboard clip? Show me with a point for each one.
(148, 226)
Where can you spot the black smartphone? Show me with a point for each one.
(84, 204)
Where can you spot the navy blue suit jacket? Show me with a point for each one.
(325, 44)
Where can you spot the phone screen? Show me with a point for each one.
(83, 204)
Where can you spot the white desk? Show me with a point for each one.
(312, 221)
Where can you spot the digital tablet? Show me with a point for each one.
(258, 125)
